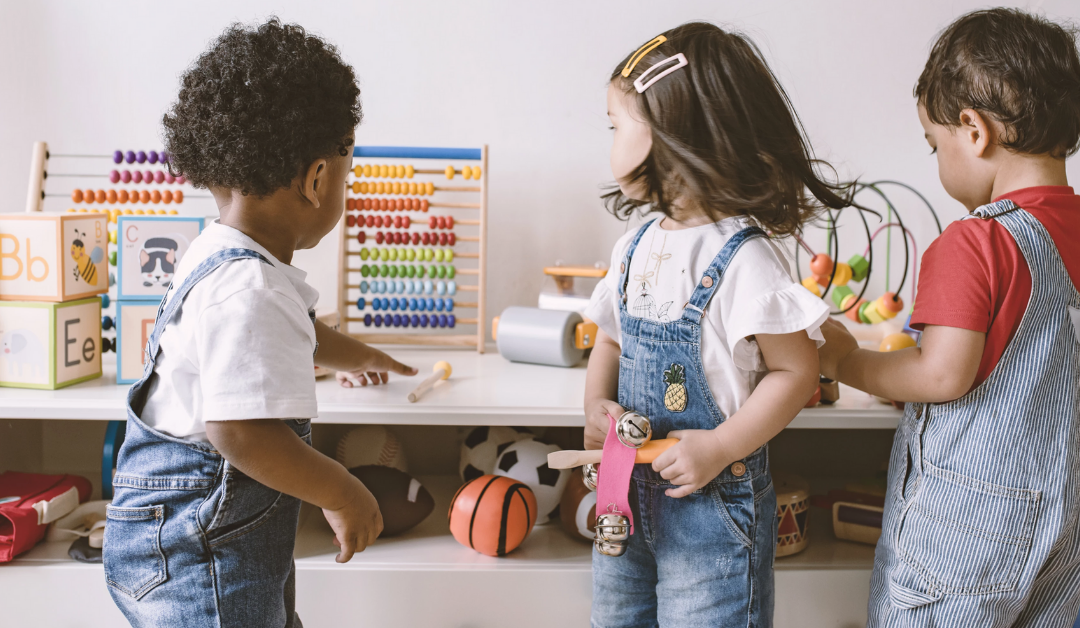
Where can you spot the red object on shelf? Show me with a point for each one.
(29, 502)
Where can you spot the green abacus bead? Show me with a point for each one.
(420, 271)
(449, 255)
(112, 258)
(403, 270)
(384, 271)
(393, 255)
(450, 272)
(365, 271)
(438, 255)
(364, 254)
(859, 267)
(411, 255)
(403, 254)
(429, 255)
(393, 270)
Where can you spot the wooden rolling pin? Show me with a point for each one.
(568, 459)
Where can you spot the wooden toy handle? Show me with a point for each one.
(426, 385)
(568, 459)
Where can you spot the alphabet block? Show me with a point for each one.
(150, 247)
(53, 257)
(134, 324)
(49, 345)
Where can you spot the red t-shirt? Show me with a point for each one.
(975, 277)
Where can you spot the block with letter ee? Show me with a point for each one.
(49, 345)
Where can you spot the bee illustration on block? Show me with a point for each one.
(85, 264)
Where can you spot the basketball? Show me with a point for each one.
(492, 514)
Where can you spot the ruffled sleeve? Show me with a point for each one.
(758, 296)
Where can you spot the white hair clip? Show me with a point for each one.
(680, 62)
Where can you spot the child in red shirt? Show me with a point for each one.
(982, 515)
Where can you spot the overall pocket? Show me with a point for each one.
(626, 383)
(734, 502)
(244, 504)
(967, 536)
(134, 562)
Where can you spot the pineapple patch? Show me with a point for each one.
(675, 395)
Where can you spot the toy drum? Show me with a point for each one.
(792, 510)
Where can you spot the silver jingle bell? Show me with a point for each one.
(589, 475)
(612, 527)
(633, 429)
(608, 548)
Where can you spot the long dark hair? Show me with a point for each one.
(724, 136)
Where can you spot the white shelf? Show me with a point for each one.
(484, 389)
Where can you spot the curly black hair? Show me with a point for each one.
(258, 107)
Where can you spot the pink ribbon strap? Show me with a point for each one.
(613, 479)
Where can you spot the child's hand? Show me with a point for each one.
(374, 365)
(596, 421)
(839, 343)
(692, 462)
(356, 525)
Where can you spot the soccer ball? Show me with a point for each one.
(483, 445)
(526, 462)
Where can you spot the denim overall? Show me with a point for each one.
(190, 541)
(981, 516)
(705, 559)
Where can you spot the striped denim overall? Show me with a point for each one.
(981, 517)
(703, 560)
(190, 540)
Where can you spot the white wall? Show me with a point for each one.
(527, 78)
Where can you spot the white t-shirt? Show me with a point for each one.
(241, 347)
(756, 295)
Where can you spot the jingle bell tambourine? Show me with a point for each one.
(588, 475)
(612, 533)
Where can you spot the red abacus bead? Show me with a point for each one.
(397, 238)
(442, 222)
(350, 204)
(415, 238)
(99, 196)
(452, 239)
(443, 239)
(155, 196)
(125, 176)
(136, 177)
(384, 204)
(169, 178)
(122, 196)
(379, 237)
(167, 197)
(144, 196)
(399, 204)
(181, 180)
(406, 221)
(424, 204)
(449, 222)
(385, 221)
(821, 265)
(159, 176)
(178, 196)
(361, 237)
(111, 196)
(76, 196)
(397, 222)
(148, 176)
(369, 221)
(426, 238)
(410, 203)
(367, 203)
(114, 177)
(432, 222)
(350, 221)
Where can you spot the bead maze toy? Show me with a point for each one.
(409, 246)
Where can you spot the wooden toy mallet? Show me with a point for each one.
(441, 370)
(568, 459)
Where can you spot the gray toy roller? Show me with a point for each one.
(551, 337)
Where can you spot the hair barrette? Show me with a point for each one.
(679, 62)
(640, 54)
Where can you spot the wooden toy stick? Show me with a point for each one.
(441, 370)
(568, 459)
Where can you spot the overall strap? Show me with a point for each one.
(170, 306)
(694, 309)
(624, 268)
(993, 210)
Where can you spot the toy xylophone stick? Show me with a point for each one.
(568, 459)
(441, 370)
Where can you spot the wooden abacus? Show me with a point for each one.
(416, 263)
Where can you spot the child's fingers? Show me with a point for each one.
(681, 491)
(348, 548)
(399, 368)
(666, 459)
(343, 379)
(374, 377)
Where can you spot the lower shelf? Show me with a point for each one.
(407, 580)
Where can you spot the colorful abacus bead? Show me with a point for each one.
(843, 275)
(810, 283)
(840, 294)
(859, 267)
(888, 305)
(821, 265)
(853, 313)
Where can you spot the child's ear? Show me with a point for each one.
(978, 131)
(314, 181)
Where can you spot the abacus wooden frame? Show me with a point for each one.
(476, 339)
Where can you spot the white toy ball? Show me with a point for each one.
(371, 445)
(483, 445)
(526, 462)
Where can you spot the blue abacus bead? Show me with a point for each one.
(451, 288)
(440, 287)
(376, 304)
(428, 286)
(443, 320)
(439, 305)
(397, 320)
(401, 287)
(418, 286)
(360, 303)
(363, 287)
(404, 320)
(367, 320)
(431, 305)
(129, 156)
(450, 320)
(408, 287)
(378, 320)
(423, 320)
(140, 157)
(415, 320)
(112, 279)
(106, 323)
(394, 303)
(152, 157)
(105, 301)
(412, 304)
(449, 304)
(118, 157)
(385, 303)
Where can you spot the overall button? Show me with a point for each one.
(622, 268)
(707, 282)
(738, 469)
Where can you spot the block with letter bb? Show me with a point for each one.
(53, 257)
